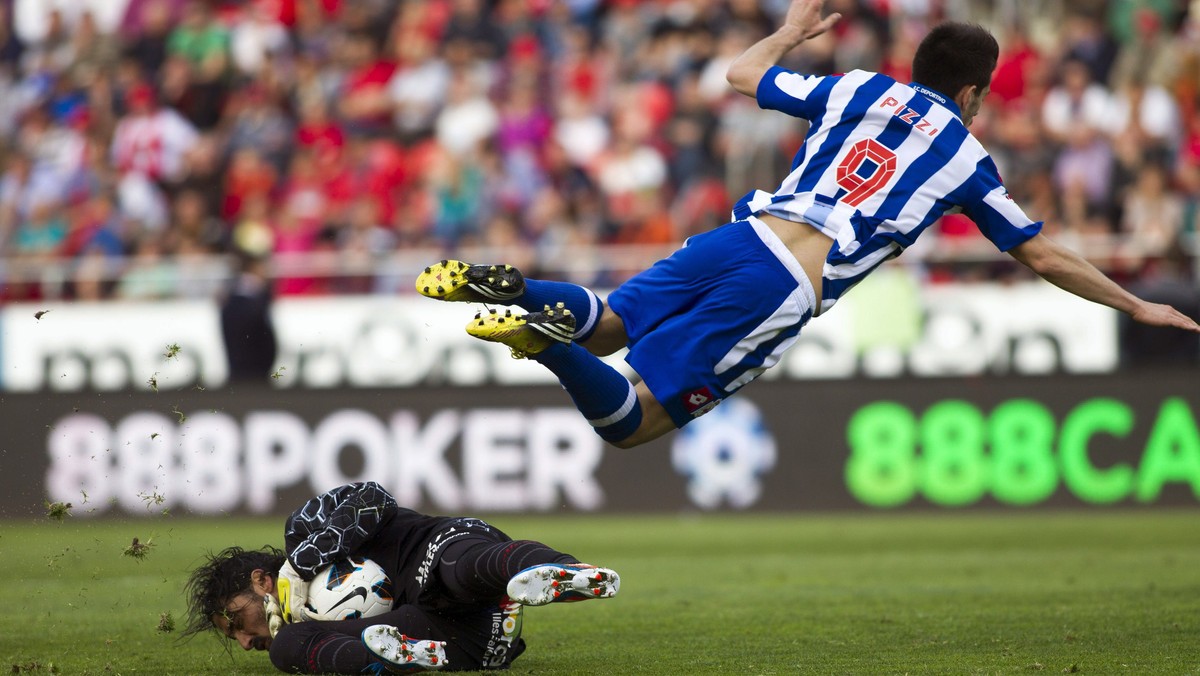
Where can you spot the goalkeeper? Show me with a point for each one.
(459, 585)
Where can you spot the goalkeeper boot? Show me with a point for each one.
(402, 653)
(463, 282)
(563, 583)
(527, 334)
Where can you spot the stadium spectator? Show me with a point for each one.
(1152, 216)
(418, 87)
(724, 308)
(457, 581)
(151, 140)
(148, 46)
(255, 37)
(202, 40)
(362, 99)
(149, 276)
(549, 94)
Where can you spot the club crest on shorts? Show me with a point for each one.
(701, 401)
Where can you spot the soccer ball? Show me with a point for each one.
(348, 589)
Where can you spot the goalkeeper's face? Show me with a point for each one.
(244, 620)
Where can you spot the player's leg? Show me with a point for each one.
(408, 638)
(338, 647)
(452, 280)
(528, 571)
(621, 413)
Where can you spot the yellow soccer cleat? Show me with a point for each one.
(466, 283)
(527, 334)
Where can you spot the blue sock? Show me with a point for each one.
(604, 396)
(585, 305)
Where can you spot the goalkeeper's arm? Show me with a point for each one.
(333, 525)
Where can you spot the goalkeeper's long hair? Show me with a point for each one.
(220, 578)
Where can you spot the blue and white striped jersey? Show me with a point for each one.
(882, 162)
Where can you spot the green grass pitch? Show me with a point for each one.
(1100, 592)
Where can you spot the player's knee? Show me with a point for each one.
(622, 427)
(288, 648)
(652, 421)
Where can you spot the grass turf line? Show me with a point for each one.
(1097, 592)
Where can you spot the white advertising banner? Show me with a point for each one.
(375, 341)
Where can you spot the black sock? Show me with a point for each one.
(479, 569)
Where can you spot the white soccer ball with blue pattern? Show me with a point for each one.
(349, 589)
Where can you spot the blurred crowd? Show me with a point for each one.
(138, 138)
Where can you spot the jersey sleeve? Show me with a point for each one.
(334, 524)
(795, 94)
(997, 216)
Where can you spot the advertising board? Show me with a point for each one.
(407, 341)
(1001, 442)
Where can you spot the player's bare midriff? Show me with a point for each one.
(807, 244)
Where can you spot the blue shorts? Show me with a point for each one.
(713, 316)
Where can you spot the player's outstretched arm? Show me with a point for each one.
(1071, 272)
(803, 22)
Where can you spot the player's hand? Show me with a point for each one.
(293, 592)
(805, 17)
(1156, 314)
(274, 613)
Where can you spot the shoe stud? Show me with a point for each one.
(508, 313)
(441, 289)
(504, 283)
(425, 290)
(428, 270)
(560, 305)
(445, 262)
(491, 312)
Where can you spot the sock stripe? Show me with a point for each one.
(592, 315)
(626, 407)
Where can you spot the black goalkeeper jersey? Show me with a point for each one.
(363, 519)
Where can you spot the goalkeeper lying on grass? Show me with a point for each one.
(458, 587)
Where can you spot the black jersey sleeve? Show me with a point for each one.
(334, 524)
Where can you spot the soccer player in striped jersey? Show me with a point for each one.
(882, 161)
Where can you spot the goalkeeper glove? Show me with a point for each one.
(293, 592)
(274, 614)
